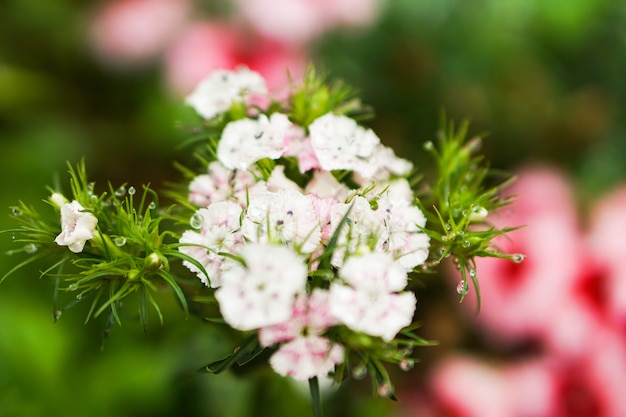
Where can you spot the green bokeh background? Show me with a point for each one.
(545, 79)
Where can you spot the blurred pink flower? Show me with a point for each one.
(590, 385)
(467, 387)
(300, 21)
(518, 300)
(205, 46)
(129, 32)
(607, 244)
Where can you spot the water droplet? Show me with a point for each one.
(16, 212)
(472, 273)
(196, 221)
(152, 205)
(385, 390)
(462, 288)
(72, 287)
(406, 364)
(359, 372)
(467, 244)
(13, 236)
(57, 314)
(448, 226)
(30, 248)
(79, 296)
(120, 192)
(429, 146)
(119, 241)
(131, 190)
(517, 257)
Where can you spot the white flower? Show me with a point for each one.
(219, 232)
(217, 92)
(406, 242)
(362, 227)
(286, 217)
(340, 143)
(369, 303)
(77, 227)
(324, 184)
(223, 184)
(387, 164)
(246, 141)
(261, 292)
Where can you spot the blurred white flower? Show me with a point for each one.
(262, 291)
(77, 226)
(216, 93)
(246, 141)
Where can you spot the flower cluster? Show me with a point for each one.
(301, 226)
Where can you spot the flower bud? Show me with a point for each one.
(153, 262)
(58, 200)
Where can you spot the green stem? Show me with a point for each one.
(314, 387)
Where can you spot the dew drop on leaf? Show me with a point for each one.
(30, 248)
(462, 288)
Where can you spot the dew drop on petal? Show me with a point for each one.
(119, 241)
(467, 244)
(472, 273)
(131, 190)
(196, 221)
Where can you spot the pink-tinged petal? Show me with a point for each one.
(307, 357)
(311, 316)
